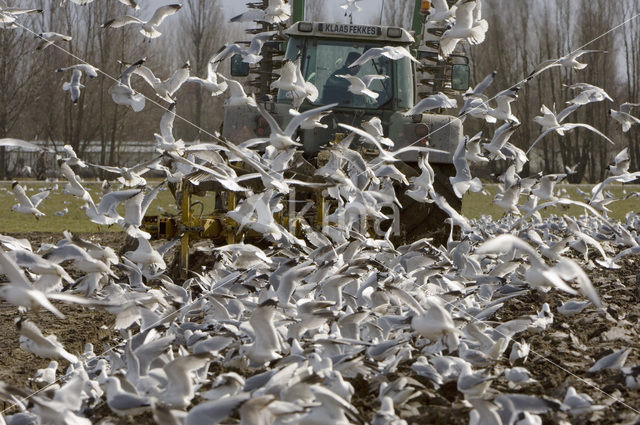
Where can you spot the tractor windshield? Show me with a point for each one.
(324, 60)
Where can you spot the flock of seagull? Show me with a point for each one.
(333, 325)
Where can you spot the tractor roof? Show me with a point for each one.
(395, 35)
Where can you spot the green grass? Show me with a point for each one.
(474, 205)
(75, 220)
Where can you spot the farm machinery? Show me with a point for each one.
(323, 48)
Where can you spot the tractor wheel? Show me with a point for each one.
(418, 219)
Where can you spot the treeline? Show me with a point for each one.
(33, 105)
(523, 34)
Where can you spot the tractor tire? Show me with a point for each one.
(418, 219)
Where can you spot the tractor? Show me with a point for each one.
(324, 48)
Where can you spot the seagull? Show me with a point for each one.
(464, 28)
(422, 185)
(8, 14)
(463, 181)
(211, 81)
(283, 139)
(624, 117)
(165, 142)
(439, 12)
(19, 291)
(481, 86)
(46, 376)
(350, 6)
(567, 61)
(49, 38)
(547, 121)
(391, 52)
(361, 86)
(434, 101)
(237, 95)
(74, 187)
(266, 343)
(374, 128)
(552, 119)
(122, 402)
(72, 158)
(149, 28)
(538, 275)
(74, 86)
(621, 164)
(277, 11)
(28, 205)
(89, 70)
(249, 55)
(32, 340)
(546, 185)
(123, 94)
(180, 390)
(474, 150)
(293, 83)
(500, 138)
(145, 255)
(502, 111)
(23, 145)
(588, 94)
(130, 176)
(311, 122)
(614, 361)
(165, 89)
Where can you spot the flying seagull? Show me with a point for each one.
(25, 204)
(391, 52)
(149, 28)
(567, 61)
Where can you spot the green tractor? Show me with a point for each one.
(325, 49)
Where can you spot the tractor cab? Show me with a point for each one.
(326, 50)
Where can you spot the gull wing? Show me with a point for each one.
(162, 12)
(176, 80)
(20, 195)
(12, 271)
(622, 156)
(20, 144)
(374, 52)
(39, 197)
(482, 85)
(626, 107)
(299, 119)
(147, 75)
(166, 123)
(122, 21)
(125, 77)
(367, 79)
(273, 125)
(566, 111)
(397, 52)
(464, 15)
(544, 66)
(258, 40)
(571, 126)
(505, 243)
(149, 197)
(227, 51)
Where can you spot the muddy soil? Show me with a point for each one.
(559, 357)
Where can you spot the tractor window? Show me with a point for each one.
(324, 60)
